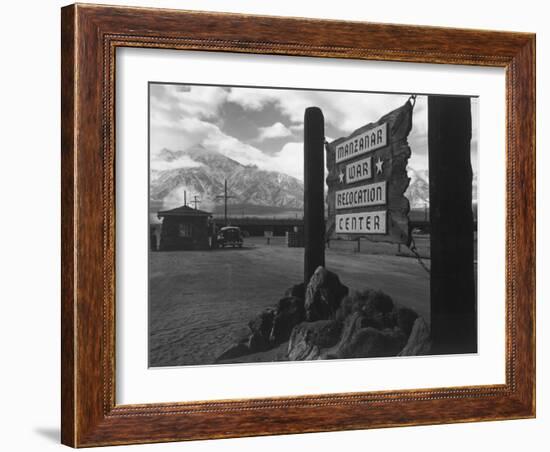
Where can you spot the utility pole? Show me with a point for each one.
(225, 197)
(184, 198)
(195, 201)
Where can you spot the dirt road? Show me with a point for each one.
(201, 301)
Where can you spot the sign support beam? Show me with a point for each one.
(452, 282)
(314, 202)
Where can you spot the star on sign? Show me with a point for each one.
(379, 164)
(341, 176)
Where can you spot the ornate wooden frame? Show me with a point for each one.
(90, 35)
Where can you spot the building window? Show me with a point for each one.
(185, 230)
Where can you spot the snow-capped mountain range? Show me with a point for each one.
(200, 171)
(203, 174)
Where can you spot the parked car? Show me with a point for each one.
(230, 235)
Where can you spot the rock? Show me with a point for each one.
(309, 338)
(289, 313)
(324, 293)
(262, 324)
(360, 340)
(257, 343)
(352, 323)
(419, 342)
(260, 330)
(375, 306)
(377, 310)
(234, 351)
(380, 301)
(298, 290)
(274, 325)
(404, 319)
(371, 343)
(345, 308)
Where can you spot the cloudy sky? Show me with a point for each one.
(264, 127)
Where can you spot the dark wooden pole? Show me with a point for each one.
(225, 202)
(225, 197)
(452, 283)
(314, 191)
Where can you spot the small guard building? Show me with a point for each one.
(184, 228)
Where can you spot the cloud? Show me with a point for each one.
(181, 162)
(277, 130)
(182, 116)
(177, 134)
(234, 148)
(252, 99)
(297, 128)
(192, 131)
(183, 130)
(289, 160)
(201, 101)
(175, 101)
(346, 111)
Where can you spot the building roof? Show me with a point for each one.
(226, 228)
(183, 211)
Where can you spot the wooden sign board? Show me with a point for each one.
(367, 179)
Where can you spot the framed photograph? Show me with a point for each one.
(281, 225)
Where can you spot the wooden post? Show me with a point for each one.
(225, 197)
(452, 282)
(314, 193)
(225, 202)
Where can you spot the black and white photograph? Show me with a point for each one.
(297, 224)
(250, 226)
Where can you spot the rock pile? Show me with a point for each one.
(324, 321)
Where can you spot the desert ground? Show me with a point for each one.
(201, 301)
